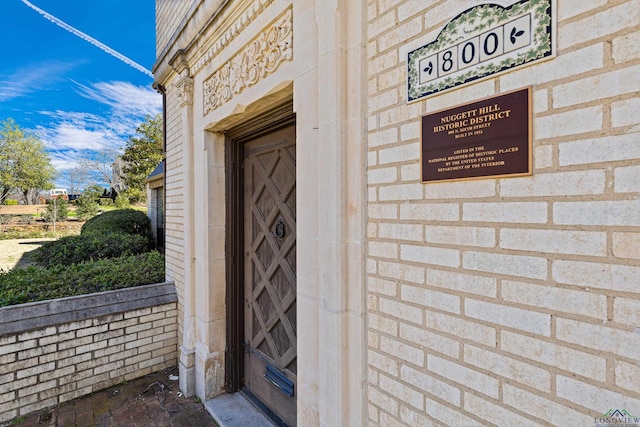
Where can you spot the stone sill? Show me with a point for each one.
(26, 317)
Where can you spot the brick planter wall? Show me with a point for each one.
(58, 350)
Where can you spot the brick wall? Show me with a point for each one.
(45, 361)
(508, 301)
(174, 199)
(169, 16)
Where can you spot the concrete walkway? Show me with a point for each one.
(17, 252)
(153, 400)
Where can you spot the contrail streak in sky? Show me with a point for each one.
(88, 38)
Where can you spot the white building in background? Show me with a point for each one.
(155, 204)
(334, 256)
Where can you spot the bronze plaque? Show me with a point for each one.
(489, 138)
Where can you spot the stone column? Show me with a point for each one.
(209, 238)
(331, 183)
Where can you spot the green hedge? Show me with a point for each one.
(112, 252)
(128, 221)
(31, 284)
(91, 246)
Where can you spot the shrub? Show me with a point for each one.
(57, 209)
(25, 219)
(93, 192)
(86, 207)
(91, 246)
(17, 219)
(105, 201)
(10, 202)
(37, 284)
(122, 202)
(126, 220)
(30, 234)
(136, 195)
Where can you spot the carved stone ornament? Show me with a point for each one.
(184, 87)
(230, 34)
(253, 62)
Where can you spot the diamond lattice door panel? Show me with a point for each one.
(270, 271)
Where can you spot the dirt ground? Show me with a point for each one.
(22, 209)
(16, 253)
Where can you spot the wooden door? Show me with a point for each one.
(270, 271)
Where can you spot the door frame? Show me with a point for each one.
(273, 120)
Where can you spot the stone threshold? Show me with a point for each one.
(235, 410)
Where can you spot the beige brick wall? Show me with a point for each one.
(51, 365)
(169, 16)
(174, 199)
(508, 301)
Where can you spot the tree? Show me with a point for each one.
(78, 178)
(102, 165)
(93, 192)
(142, 154)
(57, 210)
(24, 163)
(87, 206)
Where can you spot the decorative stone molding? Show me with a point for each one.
(184, 87)
(253, 62)
(180, 64)
(241, 23)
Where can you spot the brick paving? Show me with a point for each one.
(150, 401)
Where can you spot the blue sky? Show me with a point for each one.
(78, 98)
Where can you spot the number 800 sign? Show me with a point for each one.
(520, 34)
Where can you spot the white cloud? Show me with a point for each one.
(66, 160)
(73, 117)
(32, 78)
(124, 97)
(128, 106)
(71, 136)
